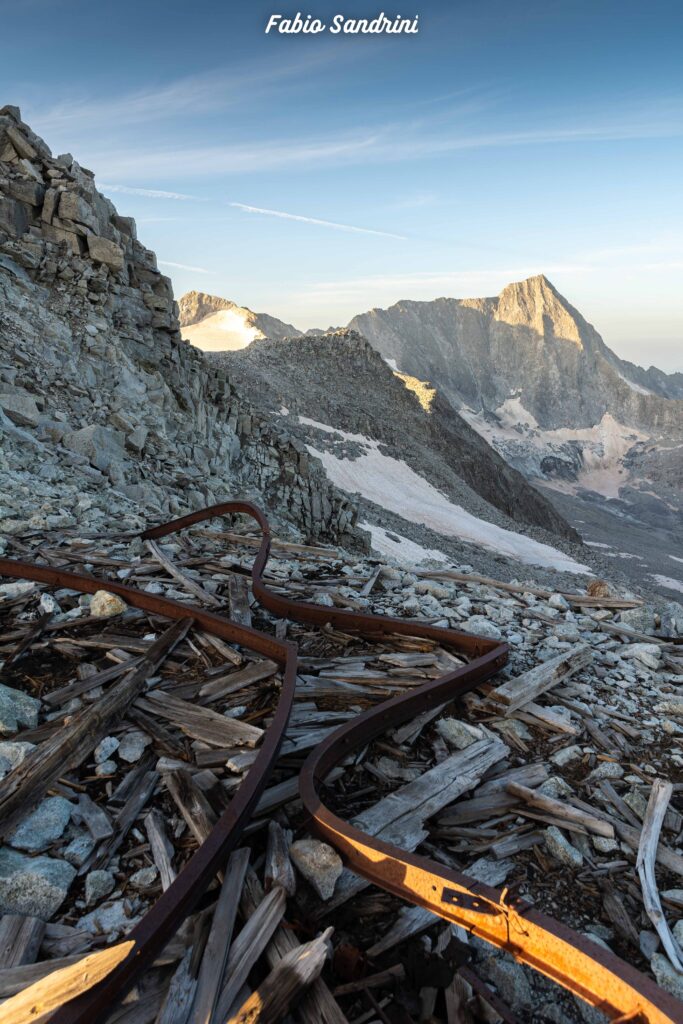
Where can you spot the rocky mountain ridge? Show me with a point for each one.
(601, 436)
(104, 411)
(340, 380)
(528, 343)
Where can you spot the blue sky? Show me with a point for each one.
(503, 140)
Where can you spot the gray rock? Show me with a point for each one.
(649, 943)
(17, 708)
(79, 849)
(561, 849)
(606, 770)
(43, 826)
(12, 753)
(318, 863)
(566, 755)
(144, 878)
(105, 748)
(35, 886)
(21, 408)
(132, 745)
(98, 884)
(458, 734)
(481, 626)
(104, 251)
(510, 981)
(99, 445)
(666, 975)
(111, 920)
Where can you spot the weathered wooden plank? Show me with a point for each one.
(24, 786)
(318, 1005)
(248, 946)
(217, 946)
(20, 939)
(62, 985)
(515, 693)
(161, 848)
(294, 973)
(201, 723)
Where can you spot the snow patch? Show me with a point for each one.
(223, 331)
(675, 558)
(512, 412)
(634, 387)
(393, 485)
(402, 550)
(668, 582)
(604, 445)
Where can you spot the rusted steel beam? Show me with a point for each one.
(583, 967)
(568, 958)
(162, 921)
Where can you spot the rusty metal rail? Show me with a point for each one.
(573, 961)
(155, 929)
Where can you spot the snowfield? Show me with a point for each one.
(393, 485)
(224, 331)
(404, 551)
(668, 581)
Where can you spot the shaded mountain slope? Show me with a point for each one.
(339, 380)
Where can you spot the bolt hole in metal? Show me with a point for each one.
(583, 967)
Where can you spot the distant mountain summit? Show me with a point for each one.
(528, 344)
(219, 325)
(534, 378)
(336, 383)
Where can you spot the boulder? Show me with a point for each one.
(104, 251)
(14, 216)
(100, 445)
(21, 144)
(43, 826)
(33, 886)
(318, 863)
(74, 207)
(17, 708)
(20, 407)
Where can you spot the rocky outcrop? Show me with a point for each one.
(104, 410)
(338, 379)
(528, 343)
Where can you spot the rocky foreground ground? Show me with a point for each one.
(539, 781)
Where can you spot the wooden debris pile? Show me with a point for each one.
(125, 737)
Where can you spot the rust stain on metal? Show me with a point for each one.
(573, 961)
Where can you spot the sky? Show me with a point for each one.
(314, 177)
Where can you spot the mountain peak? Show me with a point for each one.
(214, 324)
(536, 303)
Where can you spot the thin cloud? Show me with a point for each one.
(432, 283)
(205, 92)
(149, 193)
(184, 266)
(394, 143)
(315, 220)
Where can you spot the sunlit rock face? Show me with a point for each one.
(528, 344)
(603, 436)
